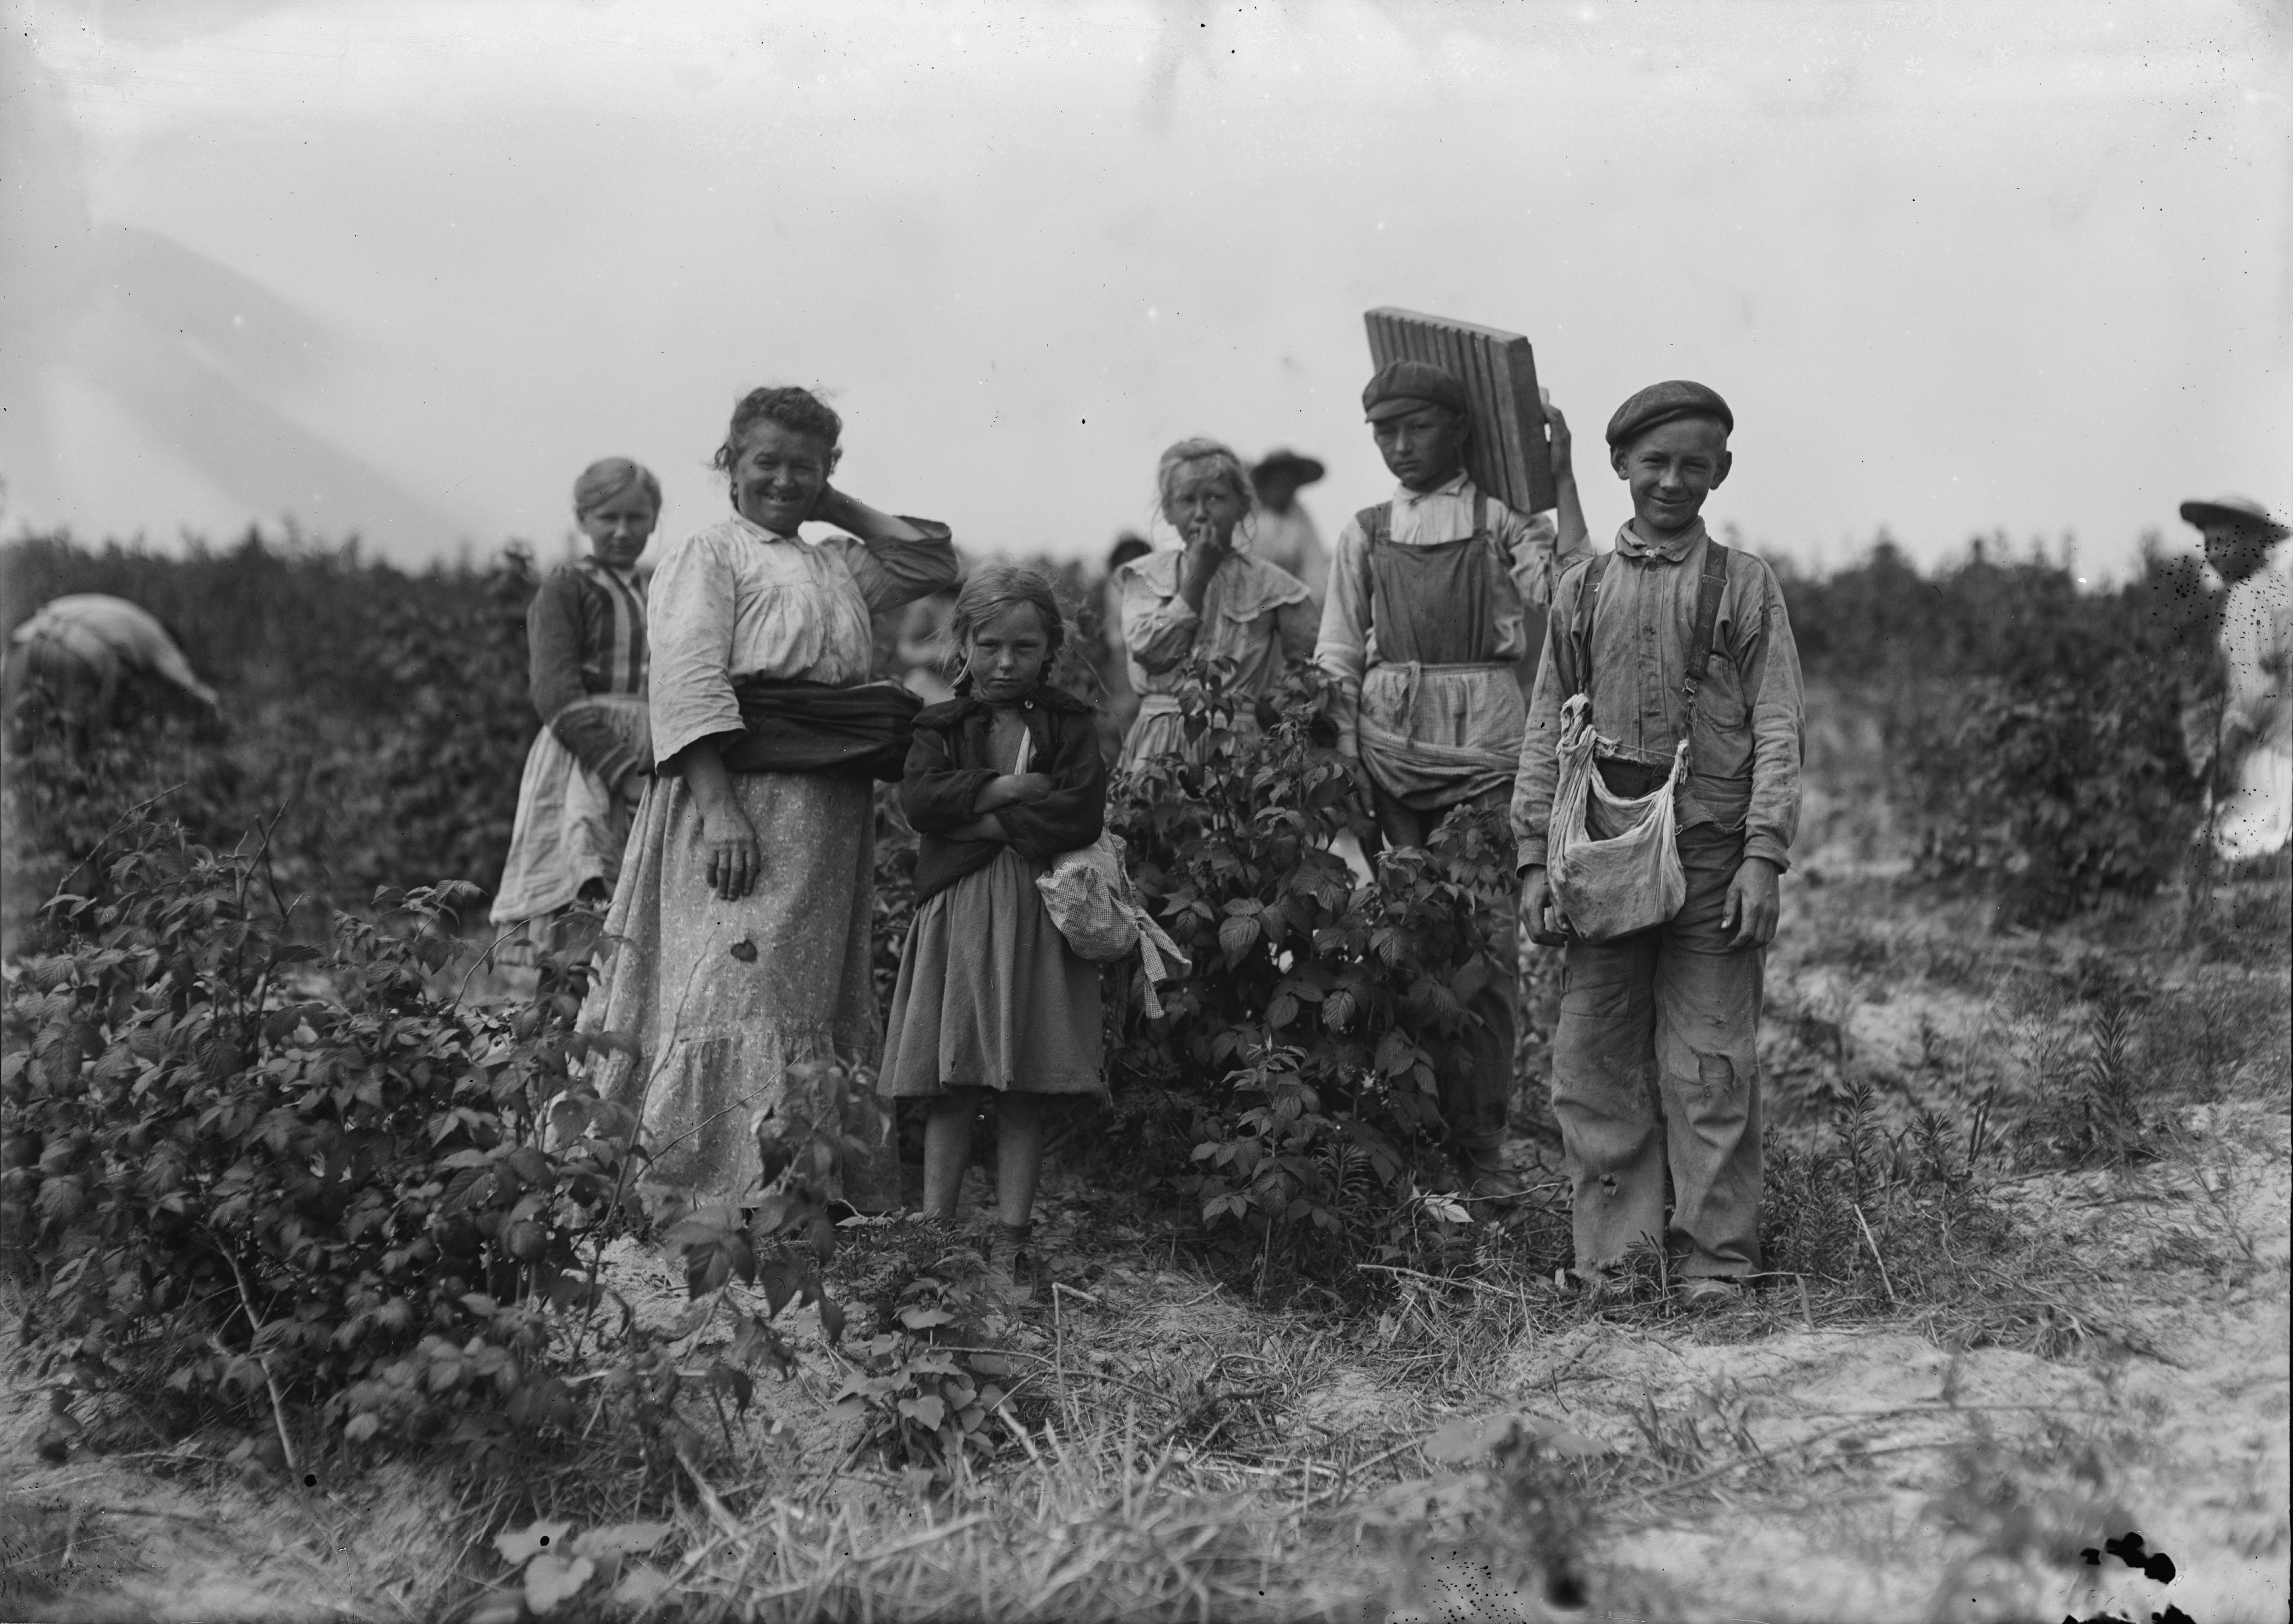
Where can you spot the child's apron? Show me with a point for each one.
(1441, 716)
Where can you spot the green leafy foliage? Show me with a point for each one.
(1320, 1012)
(1900, 1211)
(926, 1389)
(375, 721)
(309, 1190)
(2037, 727)
(553, 1565)
(249, 1172)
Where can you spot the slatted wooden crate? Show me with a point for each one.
(1507, 456)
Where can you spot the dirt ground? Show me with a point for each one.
(1834, 1471)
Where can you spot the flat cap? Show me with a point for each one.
(1663, 403)
(1402, 385)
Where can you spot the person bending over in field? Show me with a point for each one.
(584, 636)
(1211, 599)
(88, 661)
(741, 920)
(992, 1003)
(1424, 631)
(1679, 1001)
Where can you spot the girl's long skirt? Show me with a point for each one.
(723, 997)
(990, 996)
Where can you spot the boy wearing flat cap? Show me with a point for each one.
(1425, 625)
(1679, 1002)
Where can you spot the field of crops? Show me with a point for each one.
(310, 1314)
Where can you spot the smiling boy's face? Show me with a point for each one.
(1424, 446)
(1670, 470)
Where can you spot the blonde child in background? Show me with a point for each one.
(588, 663)
(1214, 598)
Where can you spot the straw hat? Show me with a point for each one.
(2238, 512)
(1304, 470)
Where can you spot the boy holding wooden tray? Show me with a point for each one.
(1427, 622)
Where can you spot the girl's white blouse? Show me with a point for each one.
(736, 600)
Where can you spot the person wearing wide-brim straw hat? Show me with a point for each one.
(1283, 533)
(2250, 747)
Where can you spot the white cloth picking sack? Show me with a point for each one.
(1610, 886)
(1087, 893)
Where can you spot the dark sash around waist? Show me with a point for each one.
(793, 726)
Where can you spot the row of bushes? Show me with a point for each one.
(374, 721)
(307, 1187)
(280, 1179)
(2035, 729)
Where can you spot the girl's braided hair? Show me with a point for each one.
(989, 590)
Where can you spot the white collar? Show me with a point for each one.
(754, 528)
(1453, 486)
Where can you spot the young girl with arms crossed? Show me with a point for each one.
(991, 1000)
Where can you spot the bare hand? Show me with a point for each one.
(1207, 548)
(1752, 906)
(1357, 786)
(1011, 789)
(831, 506)
(1545, 925)
(1561, 444)
(736, 861)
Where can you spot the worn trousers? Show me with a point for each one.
(1474, 1097)
(1655, 1068)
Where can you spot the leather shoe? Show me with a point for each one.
(1710, 1292)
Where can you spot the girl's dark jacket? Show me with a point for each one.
(948, 766)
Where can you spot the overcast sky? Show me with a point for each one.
(406, 267)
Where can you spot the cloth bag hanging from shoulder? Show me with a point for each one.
(1607, 888)
(1610, 885)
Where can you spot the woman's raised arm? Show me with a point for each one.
(900, 560)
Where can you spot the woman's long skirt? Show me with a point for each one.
(723, 997)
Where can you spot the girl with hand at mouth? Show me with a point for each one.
(1212, 598)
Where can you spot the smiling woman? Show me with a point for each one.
(741, 920)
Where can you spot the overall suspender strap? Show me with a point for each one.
(1699, 648)
(1709, 588)
(1708, 622)
(1580, 626)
